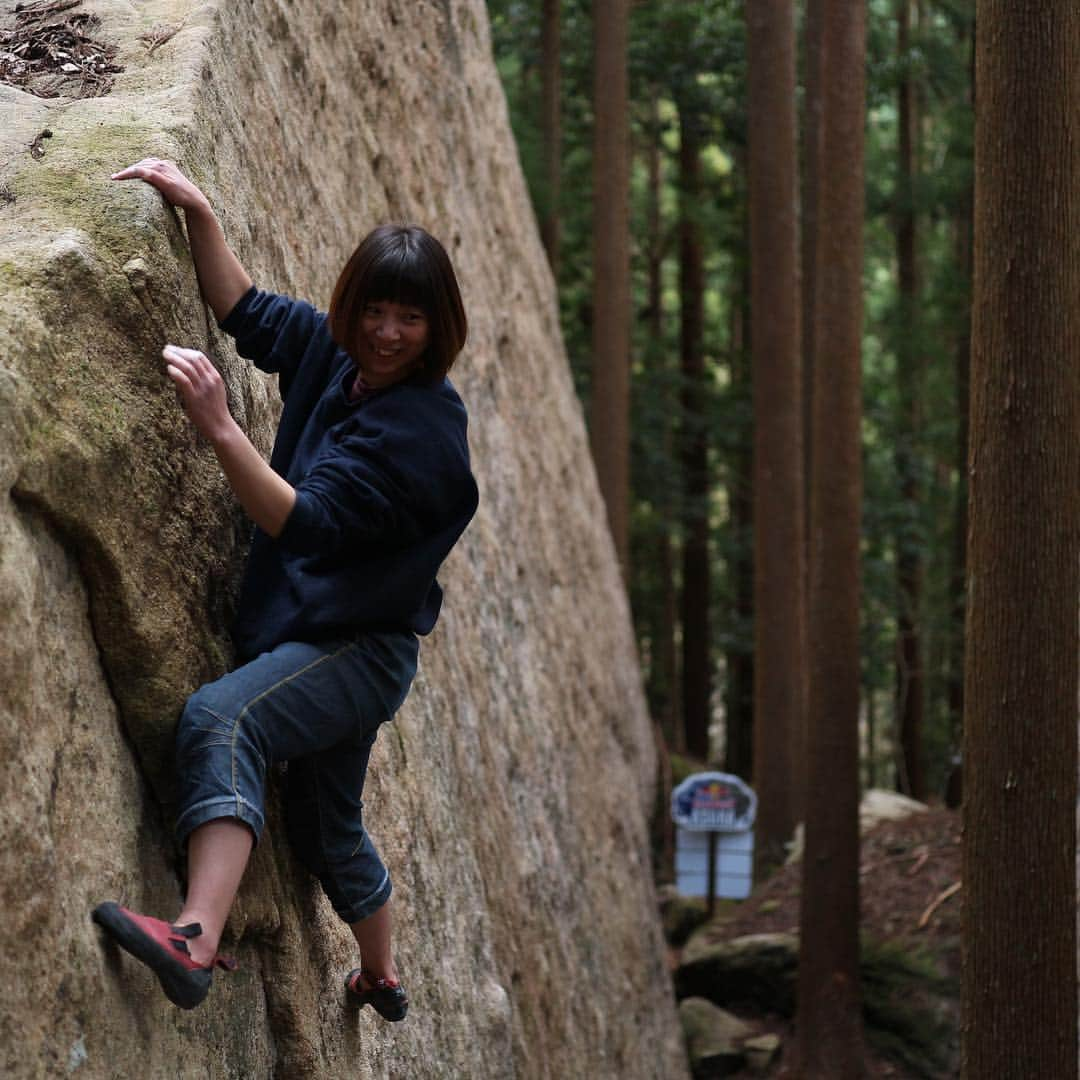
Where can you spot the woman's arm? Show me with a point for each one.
(267, 497)
(222, 280)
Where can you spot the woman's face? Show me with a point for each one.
(393, 338)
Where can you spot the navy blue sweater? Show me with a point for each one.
(383, 489)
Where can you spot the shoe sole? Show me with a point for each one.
(182, 987)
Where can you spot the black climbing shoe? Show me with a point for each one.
(386, 997)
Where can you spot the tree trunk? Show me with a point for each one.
(551, 131)
(610, 392)
(739, 689)
(829, 1018)
(695, 445)
(779, 553)
(811, 182)
(1019, 992)
(909, 377)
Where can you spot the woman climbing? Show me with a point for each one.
(367, 490)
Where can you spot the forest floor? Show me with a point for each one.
(910, 897)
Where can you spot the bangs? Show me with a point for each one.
(400, 276)
(402, 264)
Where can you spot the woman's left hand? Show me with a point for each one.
(201, 390)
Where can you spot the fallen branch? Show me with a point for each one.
(40, 9)
(922, 854)
(940, 899)
(48, 56)
(158, 35)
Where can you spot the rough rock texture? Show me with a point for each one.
(509, 797)
(714, 1038)
(761, 1051)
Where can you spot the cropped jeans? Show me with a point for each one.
(318, 707)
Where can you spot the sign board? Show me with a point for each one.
(733, 865)
(714, 802)
(714, 814)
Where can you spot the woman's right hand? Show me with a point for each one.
(222, 279)
(176, 188)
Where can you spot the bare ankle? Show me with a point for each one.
(203, 947)
(375, 973)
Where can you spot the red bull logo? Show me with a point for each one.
(718, 802)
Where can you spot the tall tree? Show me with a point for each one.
(551, 128)
(610, 401)
(697, 665)
(829, 1017)
(1019, 992)
(811, 183)
(909, 377)
(779, 553)
(739, 655)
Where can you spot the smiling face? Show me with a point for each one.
(393, 339)
(408, 267)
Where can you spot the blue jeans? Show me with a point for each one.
(318, 707)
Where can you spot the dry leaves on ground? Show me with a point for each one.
(50, 53)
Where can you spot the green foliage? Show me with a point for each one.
(938, 61)
(910, 1008)
(687, 61)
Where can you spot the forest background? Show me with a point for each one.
(807, 253)
(691, 412)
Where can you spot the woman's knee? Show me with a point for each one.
(201, 726)
(217, 753)
(192, 728)
(220, 770)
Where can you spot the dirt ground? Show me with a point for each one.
(909, 891)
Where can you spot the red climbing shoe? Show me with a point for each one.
(163, 948)
(386, 997)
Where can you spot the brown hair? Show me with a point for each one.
(403, 264)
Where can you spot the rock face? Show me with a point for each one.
(509, 796)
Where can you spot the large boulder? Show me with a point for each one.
(509, 798)
(876, 806)
(756, 972)
(714, 1038)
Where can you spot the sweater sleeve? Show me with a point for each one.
(272, 331)
(358, 492)
(387, 478)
